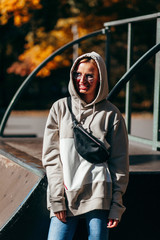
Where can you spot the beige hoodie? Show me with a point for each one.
(74, 184)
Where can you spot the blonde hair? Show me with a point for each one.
(84, 60)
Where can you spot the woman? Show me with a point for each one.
(76, 187)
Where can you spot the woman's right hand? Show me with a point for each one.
(61, 215)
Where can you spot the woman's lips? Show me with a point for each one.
(82, 87)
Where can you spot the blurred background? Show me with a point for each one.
(30, 30)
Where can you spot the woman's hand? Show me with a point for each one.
(61, 215)
(112, 223)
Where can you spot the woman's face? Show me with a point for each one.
(86, 79)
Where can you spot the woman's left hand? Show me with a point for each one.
(112, 223)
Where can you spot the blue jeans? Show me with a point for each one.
(96, 225)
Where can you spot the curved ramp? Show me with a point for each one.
(22, 190)
(17, 184)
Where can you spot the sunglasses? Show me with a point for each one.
(78, 76)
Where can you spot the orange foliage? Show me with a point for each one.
(18, 9)
(34, 54)
(40, 44)
(47, 43)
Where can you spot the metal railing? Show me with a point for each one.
(155, 143)
(129, 72)
(31, 76)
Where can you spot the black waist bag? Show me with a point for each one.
(88, 146)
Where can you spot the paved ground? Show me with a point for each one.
(34, 123)
(29, 151)
(142, 158)
(27, 123)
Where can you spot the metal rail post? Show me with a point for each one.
(107, 53)
(128, 85)
(156, 110)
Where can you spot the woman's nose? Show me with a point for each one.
(83, 78)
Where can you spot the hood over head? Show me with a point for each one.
(103, 86)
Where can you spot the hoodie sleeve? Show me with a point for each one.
(51, 161)
(118, 166)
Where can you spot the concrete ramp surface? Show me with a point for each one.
(23, 213)
(16, 185)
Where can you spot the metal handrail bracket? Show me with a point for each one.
(132, 20)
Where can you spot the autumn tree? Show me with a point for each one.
(20, 10)
(18, 19)
(48, 31)
(41, 41)
(32, 29)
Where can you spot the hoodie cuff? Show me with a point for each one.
(58, 206)
(116, 212)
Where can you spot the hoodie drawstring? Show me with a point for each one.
(93, 113)
(81, 113)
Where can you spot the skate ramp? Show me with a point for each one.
(22, 191)
(16, 185)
